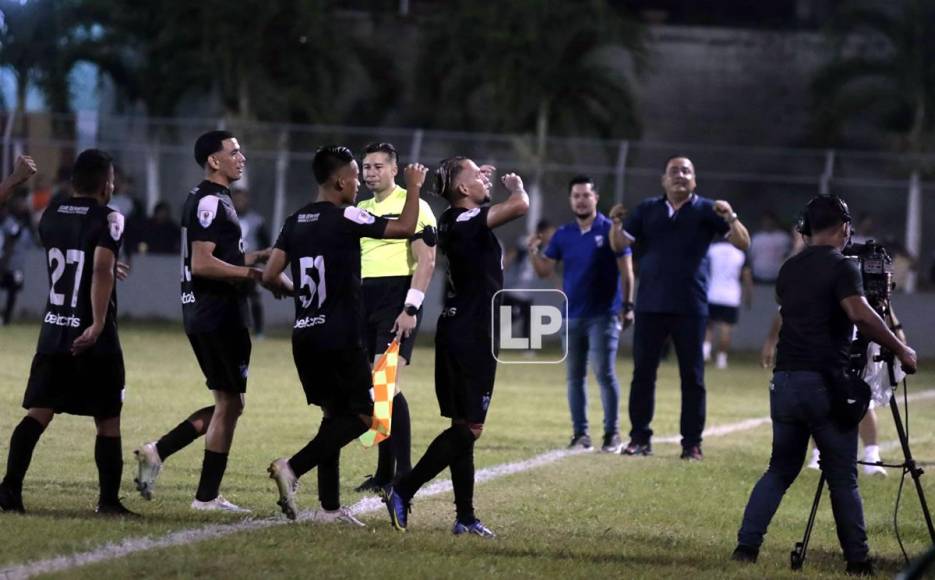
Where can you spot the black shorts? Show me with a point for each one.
(90, 385)
(337, 380)
(224, 358)
(12, 281)
(721, 313)
(464, 377)
(384, 299)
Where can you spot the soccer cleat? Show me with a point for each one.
(692, 453)
(612, 443)
(115, 510)
(342, 515)
(744, 553)
(581, 441)
(874, 470)
(864, 568)
(149, 466)
(286, 481)
(11, 501)
(637, 449)
(218, 504)
(370, 485)
(397, 507)
(477, 529)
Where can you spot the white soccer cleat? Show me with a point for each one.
(149, 465)
(874, 469)
(286, 481)
(342, 515)
(218, 504)
(816, 456)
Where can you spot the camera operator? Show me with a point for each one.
(821, 297)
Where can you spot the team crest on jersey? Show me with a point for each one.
(599, 241)
(468, 215)
(115, 224)
(358, 216)
(207, 210)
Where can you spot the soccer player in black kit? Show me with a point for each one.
(464, 361)
(321, 244)
(78, 366)
(214, 277)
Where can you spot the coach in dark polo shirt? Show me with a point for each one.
(672, 234)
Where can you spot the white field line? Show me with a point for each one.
(130, 546)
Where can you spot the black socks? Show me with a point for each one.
(179, 437)
(442, 452)
(212, 472)
(22, 443)
(395, 453)
(108, 455)
(333, 434)
(462, 480)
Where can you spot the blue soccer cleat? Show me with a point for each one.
(397, 507)
(477, 528)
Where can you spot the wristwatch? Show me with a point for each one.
(732, 218)
(627, 307)
(411, 310)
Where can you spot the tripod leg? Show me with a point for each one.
(797, 557)
(914, 470)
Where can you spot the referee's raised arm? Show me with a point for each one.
(405, 226)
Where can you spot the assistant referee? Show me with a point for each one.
(395, 274)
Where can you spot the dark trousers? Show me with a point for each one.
(799, 406)
(649, 334)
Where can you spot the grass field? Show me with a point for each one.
(583, 516)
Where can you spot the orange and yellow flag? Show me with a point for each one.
(384, 388)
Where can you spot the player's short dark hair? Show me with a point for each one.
(665, 166)
(91, 170)
(446, 174)
(382, 147)
(822, 213)
(328, 160)
(581, 179)
(543, 225)
(209, 144)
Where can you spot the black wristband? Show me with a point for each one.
(411, 310)
(627, 307)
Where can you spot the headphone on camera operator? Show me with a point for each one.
(827, 221)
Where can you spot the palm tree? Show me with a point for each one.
(883, 72)
(541, 67)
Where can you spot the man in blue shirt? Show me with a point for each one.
(672, 233)
(596, 311)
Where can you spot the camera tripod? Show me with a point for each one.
(797, 557)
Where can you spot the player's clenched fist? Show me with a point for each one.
(512, 182)
(415, 175)
(618, 212)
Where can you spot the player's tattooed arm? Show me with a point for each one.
(23, 169)
(274, 276)
(257, 257)
(405, 226)
(206, 265)
(102, 285)
(513, 207)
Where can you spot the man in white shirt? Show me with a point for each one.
(728, 268)
(769, 248)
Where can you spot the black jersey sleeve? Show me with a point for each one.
(208, 218)
(363, 223)
(848, 281)
(282, 242)
(112, 233)
(472, 221)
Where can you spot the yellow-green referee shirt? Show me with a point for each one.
(381, 258)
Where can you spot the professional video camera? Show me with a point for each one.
(876, 269)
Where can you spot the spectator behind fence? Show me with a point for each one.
(255, 237)
(599, 284)
(769, 248)
(729, 284)
(17, 239)
(159, 234)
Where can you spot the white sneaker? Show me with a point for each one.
(149, 466)
(721, 362)
(816, 455)
(342, 515)
(286, 481)
(218, 504)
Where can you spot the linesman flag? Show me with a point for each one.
(384, 387)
